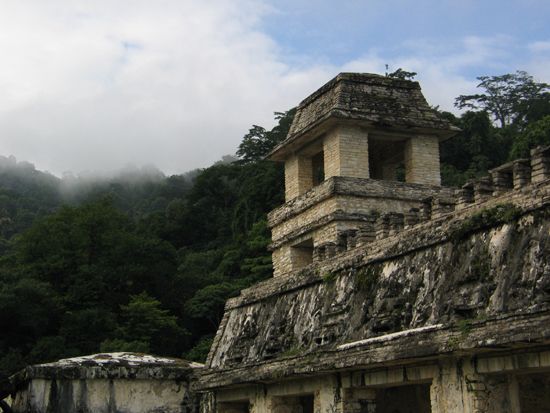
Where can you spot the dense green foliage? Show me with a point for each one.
(518, 104)
(144, 262)
(138, 262)
(509, 98)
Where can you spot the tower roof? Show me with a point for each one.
(380, 102)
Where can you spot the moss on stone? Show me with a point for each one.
(291, 352)
(329, 277)
(486, 218)
(367, 277)
(481, 266)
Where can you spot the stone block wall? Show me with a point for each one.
(422, 160)
(422, 301)
(103, 396)
(298, 176)
(474, 264)
(337, 208)
(346, 152)
(379, 209)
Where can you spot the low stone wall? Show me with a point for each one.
(358, 188)
(105, 383)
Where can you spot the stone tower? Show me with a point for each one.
(349, 148)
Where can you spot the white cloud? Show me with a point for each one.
(88, 85)
(449, 69)
(177, 83)
(539, 47)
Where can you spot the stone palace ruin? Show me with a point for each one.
(390, 294)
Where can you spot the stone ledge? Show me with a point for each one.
(357, 187)
(524, 332)
(339, 216)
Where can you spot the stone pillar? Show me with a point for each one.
(330, 250)
(426, 209)
(422, 160)
(281, 260)
(522, 173)
(502, 181)
(513, 394)
(366, 234)
(352, 239)
(441, 206)
(540, 164)
(483, 189)
(412, 217)
(459, 388)
(348, 239)
(207, 403)
(318, 253)
(346, 152)
(448, 392)
(465, 195)
(396, 223)
(328, 398)
(382, 226)
(298, 176)
(341, 242)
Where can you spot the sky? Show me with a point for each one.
(100, 85)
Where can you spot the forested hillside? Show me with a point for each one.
(145, 262)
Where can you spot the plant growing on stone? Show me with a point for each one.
(486, 218)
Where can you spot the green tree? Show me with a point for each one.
(400, 74)
(506, 97)
(258, 142)
(536, 133)
(200, 351)
(208, 303)
(145, 327)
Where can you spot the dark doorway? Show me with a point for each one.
(404, 399)
(318, 166)
(386, 159)
(534, 392)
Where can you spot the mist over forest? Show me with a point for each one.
(139, 261)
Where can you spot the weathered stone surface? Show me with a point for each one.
(391, 297)
(444, 308)
(106, 383)
(340, 205)
(379, 100)
(425, 278)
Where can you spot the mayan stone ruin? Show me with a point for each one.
(390, 293)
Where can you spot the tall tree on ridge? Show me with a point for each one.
(506, 97)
